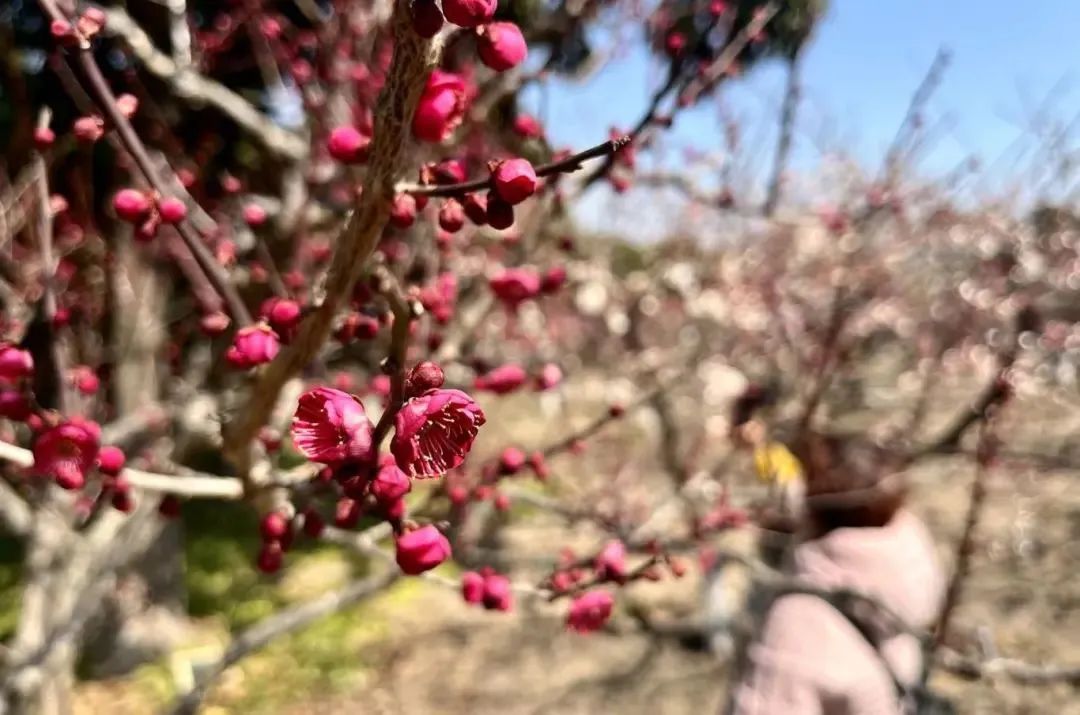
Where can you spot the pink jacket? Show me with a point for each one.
(810, 660)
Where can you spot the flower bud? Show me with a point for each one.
(500, 215)
(347, 513)
(421, 550)
(675, 43)
(472, 587)
(403, 211)
(475, 206)
(589, 611)
(15, 363)
(14, 405)
(43, 138)
(273, 526)
(313, 523)
(441, 107)
(501, 46)
(511, 460)
(91, 22)
(497, 595)
(254, 215)
(553, 279)
(172, 210)
(127, 104)
(390, 484)
(423, 377)
(610, 564)
(131, 205)
(253, 345)
(427, 18)
(61, 30)
(347, 145)
(527, 126)
(448, 171)
(550, 376)
(88, 129)
(270, 558)
(111, 460)
(469, 13)
(515, 180)
(451, 216)
(502, 380)
(214, 323)
(284, 315)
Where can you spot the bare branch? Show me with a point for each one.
(282, 623)
(133, 144)
(196, 88)
(191, 484)
(913, 117)
(562, 166)
(787, 131)
(15, 513)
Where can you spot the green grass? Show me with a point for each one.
(11, 558)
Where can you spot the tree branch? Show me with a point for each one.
(282, 623)
(562, 166)
(787, 131)
(194, 87)
(134, 145)
(413, 59)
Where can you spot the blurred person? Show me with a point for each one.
(728, 592)
(774, 464)
(810, 658)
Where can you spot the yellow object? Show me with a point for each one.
(774, 463)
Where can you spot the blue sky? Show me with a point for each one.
(859, 74)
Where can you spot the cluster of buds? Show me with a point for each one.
(276, 530)
(487, 588)
(147, 212)
(501, 45)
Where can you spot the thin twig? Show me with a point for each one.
(404, 312)
(913, 117)
(787, 131)
(562, 166)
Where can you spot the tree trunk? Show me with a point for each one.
(145, 614)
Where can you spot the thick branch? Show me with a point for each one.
(413, 59)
